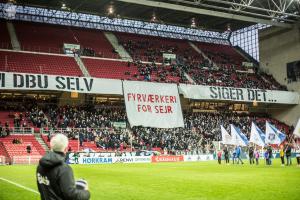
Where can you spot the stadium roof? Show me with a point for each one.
(214, 15)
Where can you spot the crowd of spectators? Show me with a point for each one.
(88, 123)
(97, 124)
(153, 72)
(219, 68)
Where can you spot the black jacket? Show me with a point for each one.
(55, 179)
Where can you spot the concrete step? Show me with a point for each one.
(13, 36)
(41, 141)
(203, 54)
(82, 67)
(118, 47)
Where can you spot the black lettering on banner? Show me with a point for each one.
(70, 83)
(225, 93)
(257, 95)
(2, 79)
(251, 95)
(88, 85)
(41, 83)
(239, 94)
(264, 95)
(232, 93)
(220, 93)
(78, 84)
(59, 80)
(18, 80)
(30, 81)
(213, 93)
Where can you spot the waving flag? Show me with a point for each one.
(238, 138)
(297, 129)
(273, 135)
(257, 136)
(226, 138)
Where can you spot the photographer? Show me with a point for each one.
(55, 178)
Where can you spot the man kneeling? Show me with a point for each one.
(55, 178)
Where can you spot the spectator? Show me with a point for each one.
(234, 156)
(281, 153)
(219, 154)
(251, 155)
(288, 154)
(238, 154)
(257, 156)
(226, 155)
(270, 153)
(298, 159)
(28, 149)
(55, 178)
(267, 157)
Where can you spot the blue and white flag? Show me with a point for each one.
(257, 136)
(273, 135)
(226, 138)
(297, 129)
(238, 138)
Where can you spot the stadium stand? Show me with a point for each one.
(88, 127)
(93, 128)
(228, 72)
(222, 54)
(109, 69)
(150, 48)
(32, 38)
(20, 148)
(38, 63)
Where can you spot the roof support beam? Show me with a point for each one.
(206, 12)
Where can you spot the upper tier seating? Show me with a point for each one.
(150, 48)
(109, 69)
(38, 63)
(50, 38)
(4, 36)
(221, 54)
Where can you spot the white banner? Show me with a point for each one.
(22, 81)
(111, 160)
(238, 94)
(197, 158)
(152, 104)
(169, 56)
(132, 159)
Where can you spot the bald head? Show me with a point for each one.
(59, 143)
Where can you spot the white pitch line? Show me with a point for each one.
(20, 186)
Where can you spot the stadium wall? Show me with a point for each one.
(277, 47)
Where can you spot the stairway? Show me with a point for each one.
(200, 52)
(246, 55)
(119, 48)
(189, 78)
(82, 67)
(41, 141)
(13, 36)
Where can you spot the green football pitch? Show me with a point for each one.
(166, 181)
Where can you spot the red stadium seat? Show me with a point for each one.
(38, 63)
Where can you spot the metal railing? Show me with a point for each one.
(19, 130)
